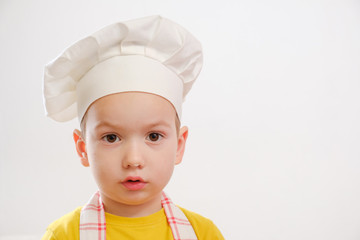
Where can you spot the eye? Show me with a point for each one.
(154, 137)
(111, 138)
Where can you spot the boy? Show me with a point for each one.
(126, 84)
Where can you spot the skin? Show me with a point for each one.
(131, 135)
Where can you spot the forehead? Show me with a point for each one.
(131, 106)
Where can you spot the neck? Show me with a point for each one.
(132, 210)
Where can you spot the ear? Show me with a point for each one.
(80, 147)
(183, 134)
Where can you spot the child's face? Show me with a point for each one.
(131, 146)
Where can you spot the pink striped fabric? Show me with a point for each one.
(180, 226)
(93, 225)
(92, 219)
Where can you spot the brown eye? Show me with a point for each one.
(111, 138)
(154, 137)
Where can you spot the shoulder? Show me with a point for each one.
(66, 227)
(204, 227)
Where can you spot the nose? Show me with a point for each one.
(133, 157)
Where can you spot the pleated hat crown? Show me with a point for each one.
(151, 54)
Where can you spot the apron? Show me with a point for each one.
(93, 225)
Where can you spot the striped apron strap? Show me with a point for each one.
(92, 219)
(180, 226)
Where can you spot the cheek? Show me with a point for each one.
(102, 164)
(164, 162)
(162, 174)
(167, 154)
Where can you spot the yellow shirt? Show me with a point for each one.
(154, 227)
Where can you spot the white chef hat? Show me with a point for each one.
(151, 54)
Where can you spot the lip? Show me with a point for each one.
(134, 183)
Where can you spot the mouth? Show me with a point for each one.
(134, 183)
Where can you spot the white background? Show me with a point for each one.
(274, 145)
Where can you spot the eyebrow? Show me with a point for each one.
(146, 125)
(105, 124)
(158, 123)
